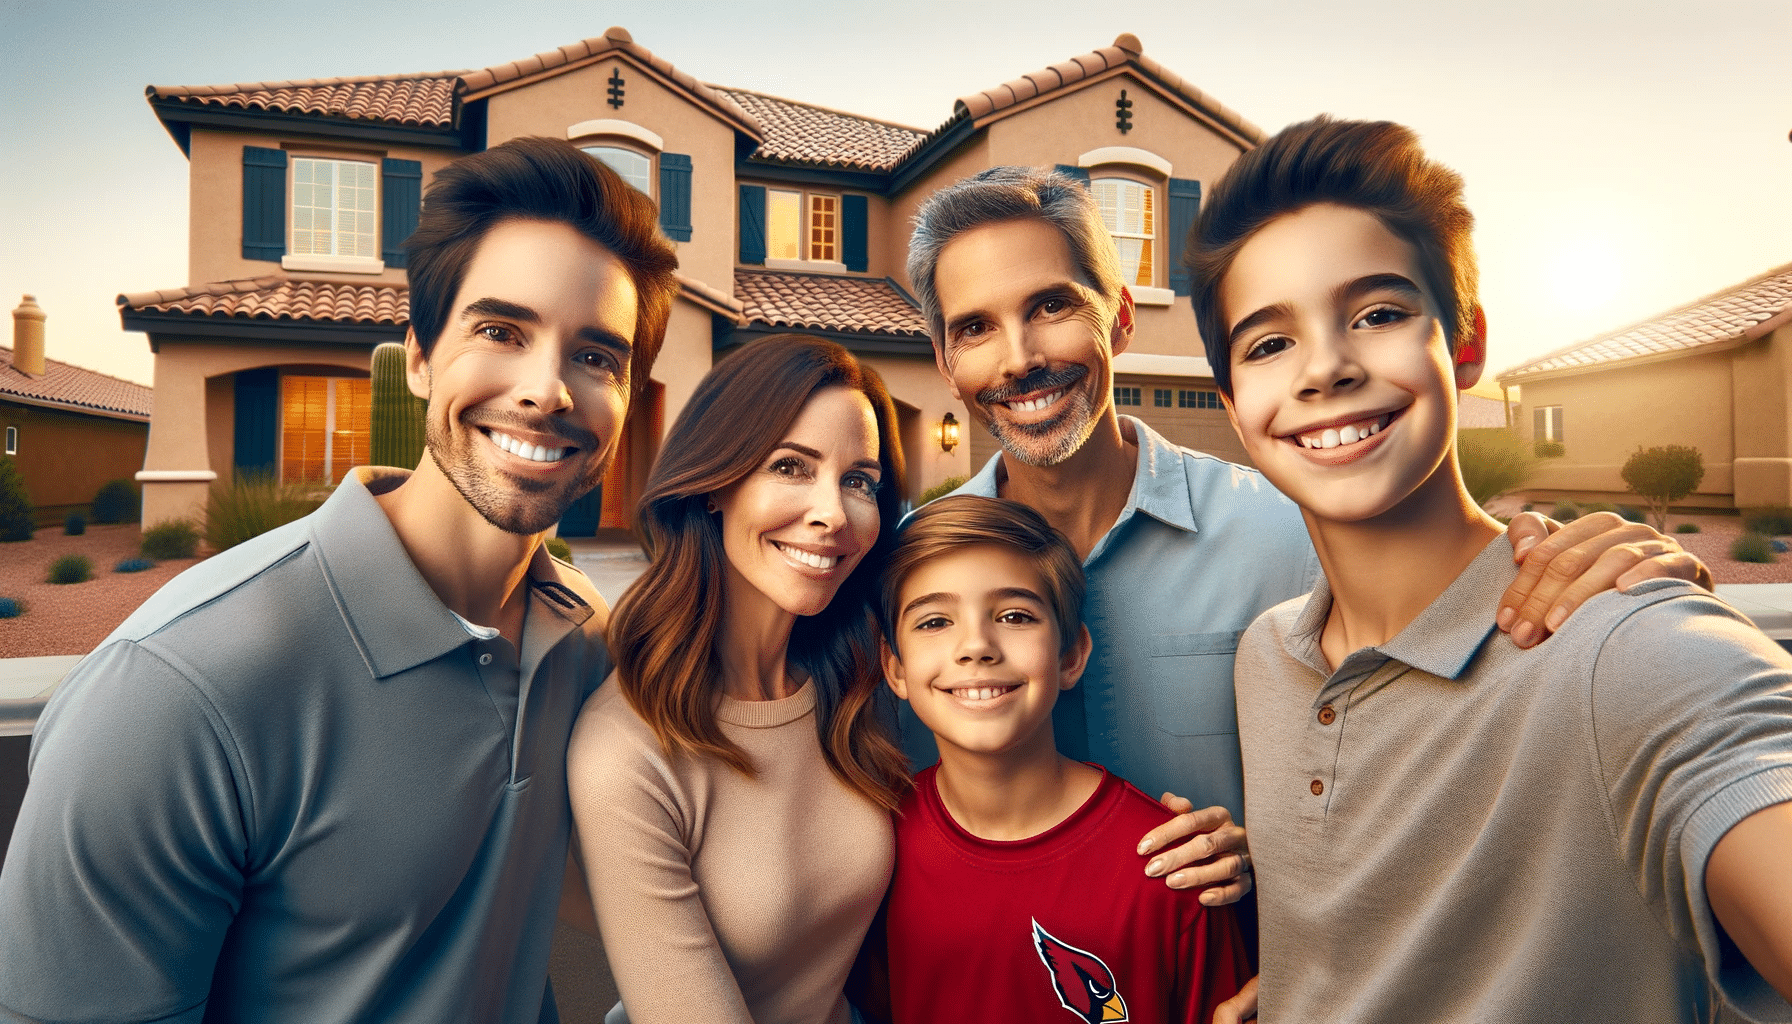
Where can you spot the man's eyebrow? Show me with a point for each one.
(1275, 311)
(803, 449)
(608, 339)
(1376, 283)
(489, 306)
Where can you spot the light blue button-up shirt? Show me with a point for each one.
(1200, 550)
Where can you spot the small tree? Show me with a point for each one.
(16, 522)
(1493, 461)
(1662, 476)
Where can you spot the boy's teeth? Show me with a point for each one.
(1035, 404)
(982, 692)
(1350, 433)
(532, 452)
(810, 559)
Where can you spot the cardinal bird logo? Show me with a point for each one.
(1085, 985)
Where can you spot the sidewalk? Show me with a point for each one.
(26, 683)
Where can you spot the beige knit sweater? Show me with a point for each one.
(723, 898)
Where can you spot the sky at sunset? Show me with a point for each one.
(1622, 159)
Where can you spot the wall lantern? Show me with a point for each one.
(948, 433)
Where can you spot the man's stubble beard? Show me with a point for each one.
(500, 504)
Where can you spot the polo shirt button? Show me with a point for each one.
(1317, 787)
(1327, 716)
(486, 658)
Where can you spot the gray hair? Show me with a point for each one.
(1010, 193)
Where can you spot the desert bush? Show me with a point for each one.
(1632, 514)
(133, 565)
(117, 502)
(1493, 461)
(74, 524)
(71, 569)
(253, 504)
(174, 538)
(1687, 528)
(1752, 547)
(11, 607)
(1773, 520)
(558, 547)
(1662, 476)
(941, 489)
(15, 505)
(1549, 449)
(1565, 512)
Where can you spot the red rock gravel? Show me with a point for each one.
(73, 618)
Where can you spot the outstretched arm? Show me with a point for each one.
(1748, 881)
(1563, 566)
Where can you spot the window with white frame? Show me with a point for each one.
(335, 208)
(783, 224)
(12, 440)
(1129, 211)
(634, 168)
(1547, 421)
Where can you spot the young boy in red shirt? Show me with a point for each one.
(1017, 895)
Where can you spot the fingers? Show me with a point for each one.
(1239, 1008)
(1188, 822)
(1677, 565)
(1584, 558)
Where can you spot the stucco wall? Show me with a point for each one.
(65, 457)
(552, 105)
(215, 200)
(916, 382)
(685, 357)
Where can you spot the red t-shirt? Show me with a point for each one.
(1060, 927)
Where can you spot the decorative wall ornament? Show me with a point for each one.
(616, 84)
(1123, 113)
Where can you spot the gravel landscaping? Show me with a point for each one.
(73, 618)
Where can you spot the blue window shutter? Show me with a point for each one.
(752, 223)
(401, 198)
(257, 413)
(675, 196)
(853, 244)
(1185, 203)
(1079, 173)
(264, 203)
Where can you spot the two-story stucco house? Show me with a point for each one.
(788, 216)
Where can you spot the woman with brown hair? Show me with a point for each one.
(732, 785)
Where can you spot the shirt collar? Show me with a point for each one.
(1444, 638)
(397, 621)
(1159, 483)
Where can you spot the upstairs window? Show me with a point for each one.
(824, 228)
(1128, 212)
(634, 168)
(783, 224)
(335, 208)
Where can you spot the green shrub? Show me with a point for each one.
(558, 547)
(15, 505)
(1493, 461)
(133, 565)
(1687, 528)
(1752, 547)
(11, 607)
(1549, 449)
(1565, 512)
(174, 538)
(941, 489)
(1632, 514)
(74, 524)
(71, 569)
(1774, 520)
(117, 502)
(1662, 476)
(253, 504)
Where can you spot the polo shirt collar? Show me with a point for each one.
(1442, 640)
(397, 621)
(1159, 483)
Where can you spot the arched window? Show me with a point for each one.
(1129, 211)
(635, 169)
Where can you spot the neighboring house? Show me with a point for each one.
(1715, 374)
(68, 430)
(788, 217)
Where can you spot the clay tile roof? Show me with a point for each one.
(474, 83)
(77, 388)
(826, 302)
(1125, 50)
(1747, 311)
(808, 134)
(278, 298)
(425, 100)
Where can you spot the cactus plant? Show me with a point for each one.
(397, 414)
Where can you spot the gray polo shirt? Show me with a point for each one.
(292, 787)
(1201, 548)
(1448, 828)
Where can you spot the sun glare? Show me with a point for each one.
(1585, 272)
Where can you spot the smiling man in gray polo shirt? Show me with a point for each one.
(321, 776)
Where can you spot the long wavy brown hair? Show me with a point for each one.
(664, 630)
